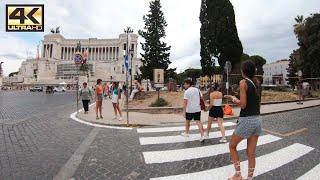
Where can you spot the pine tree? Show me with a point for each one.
(219, 36)
(156, 52)
(207, 63)
(292, 72)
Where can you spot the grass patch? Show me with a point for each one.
(159, 103)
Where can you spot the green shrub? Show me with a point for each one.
(159, 103)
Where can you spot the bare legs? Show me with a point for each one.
(98, 109)
(187, 126)
(116, 109)
(251, 148)
(235, 140)
(220, 125)
(200, 126)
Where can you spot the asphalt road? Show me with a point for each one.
(39, 140)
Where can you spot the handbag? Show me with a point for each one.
(228, 110)
(202, 104)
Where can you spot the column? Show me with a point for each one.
(61, 57)
(93, 51)
(108, 53)
(44, 51)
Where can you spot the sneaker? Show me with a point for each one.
(120, 119)
(184, 134)
(202, 138)
(223, 140)
(115, 118)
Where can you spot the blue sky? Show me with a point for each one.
(265, 27)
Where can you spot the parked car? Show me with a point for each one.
(59, 89)
(36, 88)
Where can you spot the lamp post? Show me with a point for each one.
(227, 68)
(131, 75)
(1, 71)
(300, 86)
(128, 31)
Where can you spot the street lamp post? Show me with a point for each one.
(128, 31)
(131, 75)
(300, 86)
(227, 68)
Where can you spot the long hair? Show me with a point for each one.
(248, 68)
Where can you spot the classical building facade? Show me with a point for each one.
(56, 62)
(275, 73)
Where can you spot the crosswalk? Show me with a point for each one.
(159, 149)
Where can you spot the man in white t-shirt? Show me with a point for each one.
(192, 108)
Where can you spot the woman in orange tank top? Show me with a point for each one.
(99, 98)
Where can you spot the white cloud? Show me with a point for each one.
(264, 27)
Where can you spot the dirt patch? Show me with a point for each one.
(271, 96)
(175, 99)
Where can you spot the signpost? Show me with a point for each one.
(227, 68)
(78, 60)
(158, 77)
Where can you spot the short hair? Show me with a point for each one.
(85, 84)
(99, 81)
(188, 81)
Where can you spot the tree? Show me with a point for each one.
(218, 34)
(259, 62)
(207, 63)
(292, 71)
(155, 52)
(308, 35)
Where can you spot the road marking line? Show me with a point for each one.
(286, 134)
(179, 138)
(312, 174)
(73, 116)
(265, 164)
(176, 128)
(198, 152)
(68, 170)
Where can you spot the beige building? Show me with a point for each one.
(56, 63)
(275, 73)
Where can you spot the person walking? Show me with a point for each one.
(85, 95)
(99, 98)
(192, 108)
(249, 123)
(216, 112)
(116, 96)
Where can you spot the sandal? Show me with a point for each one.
(250, 174)
(97, 118)
(237, 175)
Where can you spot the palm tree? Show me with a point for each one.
(299, 26)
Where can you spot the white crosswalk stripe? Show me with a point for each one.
(178, 128)
(179, 138)
(265, 163)
(313, 174)
(198, 152)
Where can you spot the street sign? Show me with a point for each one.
(78, 58)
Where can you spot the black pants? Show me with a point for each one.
(85, 105)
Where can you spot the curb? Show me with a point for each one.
(110, 126)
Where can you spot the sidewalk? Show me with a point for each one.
(136, 118)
